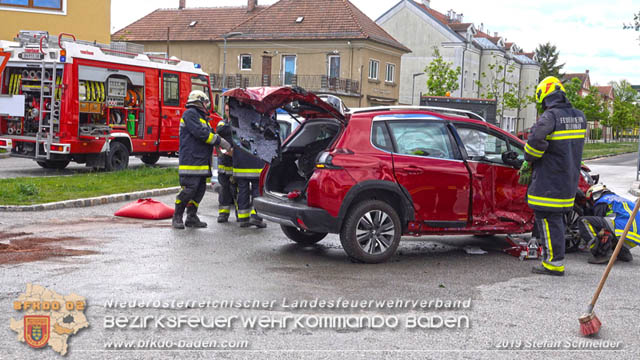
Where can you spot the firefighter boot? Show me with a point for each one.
(192, 219)
(625, 254)
(176, 222)
(223, 217)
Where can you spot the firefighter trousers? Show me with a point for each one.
(590, 226)
(226, 195)
(551, 229)
(193, 189)
(247, 191)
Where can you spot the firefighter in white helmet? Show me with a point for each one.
(197, 140)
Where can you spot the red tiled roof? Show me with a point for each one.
(530, 55)
(606, 91)
(211, 23)
(459, 26)
(568, 77)
(321, 20)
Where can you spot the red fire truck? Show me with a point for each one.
(64, 100)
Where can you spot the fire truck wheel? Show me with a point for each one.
(118, 157)
(150, 159)
(52, 164)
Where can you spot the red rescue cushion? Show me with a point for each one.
(146, 209)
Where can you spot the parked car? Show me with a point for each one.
(374, 175)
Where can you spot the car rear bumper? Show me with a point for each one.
(290, 213)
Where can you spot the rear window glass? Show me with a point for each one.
(380, 136)
(422, 138)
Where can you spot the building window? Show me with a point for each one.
(289, 70)
(245, 62)
(34, 4)
(474, 85)
(391, 73)
(466, 79)
(373, 69)
(334, 66)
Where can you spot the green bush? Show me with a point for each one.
(595, 134)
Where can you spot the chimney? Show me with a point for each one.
(426, 3)
(251, 5)
(495, 34)
(182, 4)
(586, 71)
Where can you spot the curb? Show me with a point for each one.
(100, 200)
(607, 156)
(4, 155)
(635, 188)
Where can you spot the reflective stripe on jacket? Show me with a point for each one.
(554, 149)
(246, 165)
(225, 162)
(197, 140)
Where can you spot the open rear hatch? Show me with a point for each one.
(253, 119)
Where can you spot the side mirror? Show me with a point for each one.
(511, 158)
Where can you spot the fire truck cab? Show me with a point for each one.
(64, 100)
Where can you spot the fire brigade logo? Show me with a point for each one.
(36, 330)
(48, 318)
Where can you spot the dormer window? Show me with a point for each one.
(193, 23)
(299, 19)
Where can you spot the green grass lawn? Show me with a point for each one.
(39, 190)
(593, 150)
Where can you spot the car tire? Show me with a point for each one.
(53, 164)
(150, 159)
(302, 237)
(371, 232)
(118, 157)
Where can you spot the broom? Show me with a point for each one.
(589, 322)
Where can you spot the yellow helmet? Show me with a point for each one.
(595, 192)
(547, 86)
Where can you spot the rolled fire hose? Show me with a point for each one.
(10, 131)
(32, 74)
(47, 75)
(38, 75)
(18, 131)
(25, 73)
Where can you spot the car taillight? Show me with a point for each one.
(325, 161)
(3, 142)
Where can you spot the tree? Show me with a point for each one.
(635, 25)
(547, 55)
(442, 78)
(508, 94)
(623, 116)
(623, 91)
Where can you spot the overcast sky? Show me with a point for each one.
(588, 33)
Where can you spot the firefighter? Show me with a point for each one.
(554, 152)
(197, 140)
(226, 196)
(246, 173)
(600, 231)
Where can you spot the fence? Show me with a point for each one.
(317, 83)
(599, 133)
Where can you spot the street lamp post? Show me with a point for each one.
(413, 87)
(224, 64)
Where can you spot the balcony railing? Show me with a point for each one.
(315, 83)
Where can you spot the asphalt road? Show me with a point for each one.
(89, 252)
(11, 167)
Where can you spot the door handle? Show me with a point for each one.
(412, 170)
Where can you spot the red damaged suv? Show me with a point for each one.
(374, 175)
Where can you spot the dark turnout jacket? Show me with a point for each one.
(554, 149)
(197, 140)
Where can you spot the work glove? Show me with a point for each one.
(225, 144)
(524, 174)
